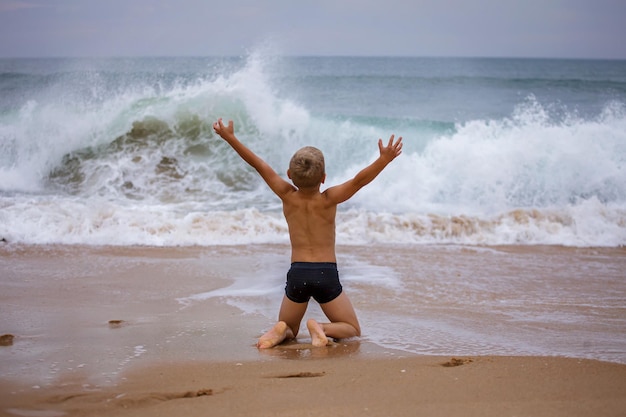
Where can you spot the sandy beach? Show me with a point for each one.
(112, 331)
(141, 258)
(342, 385)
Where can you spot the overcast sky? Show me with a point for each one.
(494, 28)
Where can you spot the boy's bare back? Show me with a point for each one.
(311, 220)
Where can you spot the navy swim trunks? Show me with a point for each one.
(319, 280)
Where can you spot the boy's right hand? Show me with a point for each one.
(225, 132)
(392, 150)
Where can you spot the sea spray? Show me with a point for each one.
(123, 152)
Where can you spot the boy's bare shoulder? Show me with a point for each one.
(317, 198)
(331, 194)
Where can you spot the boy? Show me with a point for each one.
(310, 216)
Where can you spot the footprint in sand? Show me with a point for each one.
(127, 400)
(456, 362)
(6, 340)
(114, 324)
(301, 375)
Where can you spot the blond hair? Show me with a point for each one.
(307, 167)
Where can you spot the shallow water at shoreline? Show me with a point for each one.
(211, 303)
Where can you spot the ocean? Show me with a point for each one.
(496, 151)
(499, 230)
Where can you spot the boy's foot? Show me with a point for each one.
(318, 337)
(274, 336)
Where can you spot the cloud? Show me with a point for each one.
(533, 28)
(10, 5)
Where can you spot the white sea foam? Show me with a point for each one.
(140, 165)
(93, 221)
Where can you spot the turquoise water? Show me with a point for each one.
(121, 151)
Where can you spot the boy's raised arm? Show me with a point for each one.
(343, 192)
(273, 180)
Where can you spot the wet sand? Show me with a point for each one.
(341, 385)
(100, 331)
